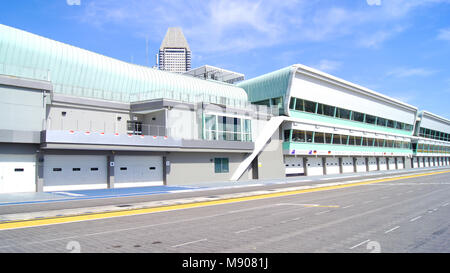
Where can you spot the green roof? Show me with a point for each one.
(271, 85)
(79, 72)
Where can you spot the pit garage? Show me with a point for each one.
(383, 163)
(372, 164)
(294, 165)
(314, 166)
(74, 172)
(332, 165)
(138, 171)
(347, 165)
(17, 173)
(391, 163)
(360, 164)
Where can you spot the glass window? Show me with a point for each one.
(319, 137)
(342, 113)
(351, 140)
(298, 136)
(328, 110)
(389, 143)
(398, 125)
(328, 138)
(221, 165)
(300, 105)
(370, 119)
(309, 136)
(390, 123)
(357, 116)
(337, 139)
(381, 121)
(310, 106)
(358, 140)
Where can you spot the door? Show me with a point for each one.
(400, 164)
(314, 166)
(347, 165)
(360, 164)
(372, 164)
(294, 165)
(137, 171)
(17, 173)
(332, 165)
(383, 163)
(74, 172)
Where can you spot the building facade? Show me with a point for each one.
(174, 53)
(74, 119)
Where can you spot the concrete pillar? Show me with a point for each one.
(110, 172)
(39, 171)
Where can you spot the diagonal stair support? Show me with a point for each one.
(269, 129)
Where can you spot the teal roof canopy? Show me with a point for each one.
(75, 71)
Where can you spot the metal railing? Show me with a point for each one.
(93, 126)
(25, 72)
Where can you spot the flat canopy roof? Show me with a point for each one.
(215, 73)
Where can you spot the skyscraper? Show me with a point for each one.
(174, 52)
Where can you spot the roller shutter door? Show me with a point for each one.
(294, 165)
(138, 171)
(361, 164)
(391, 162)
(314, 166)
(332, 165)
(383, 163)
(17, 173)
(373, 164)
(74, 172)
(347, 165)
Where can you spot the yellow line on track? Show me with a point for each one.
(129, 212)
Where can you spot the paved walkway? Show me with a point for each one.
(60, 196)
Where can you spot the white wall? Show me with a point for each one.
(309, 88)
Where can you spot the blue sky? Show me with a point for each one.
(400, 48)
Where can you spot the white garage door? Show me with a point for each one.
(400, 163)
(74, 172)
(361, 164)
(137, 171)
(373, 164)
(332, 165)
(347, 165)
(17, 173)
(391, 162)
(383, 163)
(314, 166)
(294, 165)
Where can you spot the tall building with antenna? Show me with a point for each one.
(174, 52)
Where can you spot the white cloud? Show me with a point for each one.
(242, 25)
(327, 65)
(444, 34)
(403, 72)
(373, 2)
(73, 2)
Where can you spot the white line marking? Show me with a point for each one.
(384, 197)
(366, 241)
(201, 240)
(415, 218)
(446, 204)
(367, 202)
(347, 206)
(245, 230)
(392, 229)
(295, 219)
